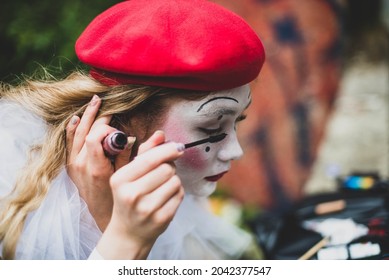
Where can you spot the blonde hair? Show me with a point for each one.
(56, 101)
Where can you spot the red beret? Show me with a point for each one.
(186, 44)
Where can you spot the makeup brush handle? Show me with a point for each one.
(313, 250)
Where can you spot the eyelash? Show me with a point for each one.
(211, 131)
(220, 129)
(241, 118)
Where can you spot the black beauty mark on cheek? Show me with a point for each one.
(207, 149)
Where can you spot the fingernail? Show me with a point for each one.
(74, 120)
(180, 147)
(94, 100)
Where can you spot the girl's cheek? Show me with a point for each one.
(193, 158)
(174, 130)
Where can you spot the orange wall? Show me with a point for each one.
(291, 98)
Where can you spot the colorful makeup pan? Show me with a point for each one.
(359, 182)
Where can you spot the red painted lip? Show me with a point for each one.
(215, 177)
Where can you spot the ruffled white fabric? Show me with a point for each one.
(18, 130)
(63, 228)
(195, 233)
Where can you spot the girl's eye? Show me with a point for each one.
(211, 131)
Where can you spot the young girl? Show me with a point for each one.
(166, 73)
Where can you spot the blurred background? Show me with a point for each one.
(320, 105)
(321, 102)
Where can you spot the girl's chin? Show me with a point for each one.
(204, 190)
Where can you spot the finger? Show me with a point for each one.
(161, 195)
(154, 179)
(102, 120)
(167, 211)
(144, 163)
(156, 139)
(93, 141)
(85, 124)
(135, 192)
(70, 131)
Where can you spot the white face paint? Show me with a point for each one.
(186, 121)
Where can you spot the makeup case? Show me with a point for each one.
(351, 223)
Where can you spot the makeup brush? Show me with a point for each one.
(315, 248)
(212, 139)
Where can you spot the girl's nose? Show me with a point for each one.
(230, 148)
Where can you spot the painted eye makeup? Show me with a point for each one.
(211, 131)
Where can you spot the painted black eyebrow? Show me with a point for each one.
(215, 98)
